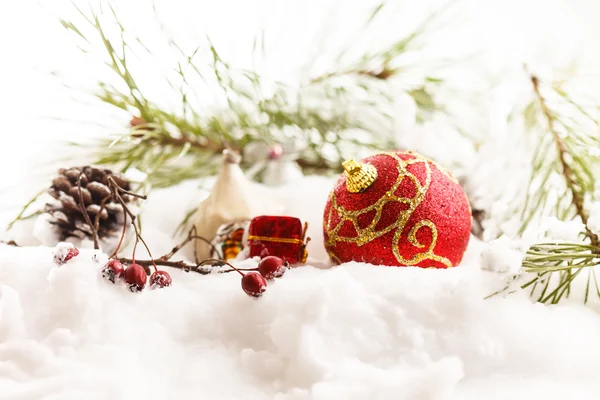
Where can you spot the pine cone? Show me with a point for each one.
(66, 212)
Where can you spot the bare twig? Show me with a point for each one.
(126, 211)
(192, 235)
(97, 219)
(114, 254)
(184, 266)
(222, 262)
(129, 193)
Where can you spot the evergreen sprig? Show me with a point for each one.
(334, 115)
(563, 179)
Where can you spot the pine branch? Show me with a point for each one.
(323, 112)
(383, 60)
(568, 173)
(563, 150)
(562, 154)
(345, 111)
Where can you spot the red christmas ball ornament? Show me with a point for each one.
(254, 284)
(160, 279)
(112, 270)
(397, 209)
(135, 276)
(272, 267)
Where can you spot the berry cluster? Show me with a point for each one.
(255, 283)
(135, 275)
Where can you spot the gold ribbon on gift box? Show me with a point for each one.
(276, 240)
(287, 240)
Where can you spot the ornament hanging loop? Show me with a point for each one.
(359, 176)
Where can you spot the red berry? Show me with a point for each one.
(74, 252)
(135, 276)
(64, 252)
(272, 267)
(254, 284)
(160, 279)
(112, 270)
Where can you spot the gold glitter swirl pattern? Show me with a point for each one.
(429, 254)
(369, 233)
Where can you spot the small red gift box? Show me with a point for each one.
(278, 236)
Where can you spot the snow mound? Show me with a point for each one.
(352, 332)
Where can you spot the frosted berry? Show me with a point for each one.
(254, 284)
(112, 270)
(64, 252)
(135, 276)
(272, 267)
(74, 252)
(160, 279)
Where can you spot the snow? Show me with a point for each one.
(594, 218)
(354, 331)
(502, 255)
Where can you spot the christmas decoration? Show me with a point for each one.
(272, 267)
(279, 236)
(232, 199)
(281, 169)
(254, 284)
(160, 279)
(112, 270)
(398, 209)
(82, 200)
(274, 165)
(63, 252)
(229, 240)
(135, 276)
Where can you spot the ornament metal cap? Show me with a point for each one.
(359, 176)
(231, 156)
